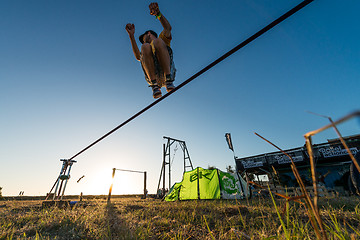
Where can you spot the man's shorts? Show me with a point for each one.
(158, 71)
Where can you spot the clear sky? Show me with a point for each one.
(68, 76)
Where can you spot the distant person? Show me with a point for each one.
(156, 56)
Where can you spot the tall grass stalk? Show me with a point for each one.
(241, 218)
(207, 226)
(357, 209)
(311, 207)
(357, 231)
(287, 235)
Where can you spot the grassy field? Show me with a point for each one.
(135, 218)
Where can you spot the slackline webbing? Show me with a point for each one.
(241, 45)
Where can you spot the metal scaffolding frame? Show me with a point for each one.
(167, 161)
(61, 181)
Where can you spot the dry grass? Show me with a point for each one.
(134, 218)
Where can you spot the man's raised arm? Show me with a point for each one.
(130, 28)
(154, 10)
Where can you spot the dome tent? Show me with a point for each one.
(208, 184)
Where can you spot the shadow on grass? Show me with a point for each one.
(116, 225)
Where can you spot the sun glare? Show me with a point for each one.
(99, 182)
(96, 183)
(128, 183)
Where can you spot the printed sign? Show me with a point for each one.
(328, 152)
(283, 159)
(202, 174)
(251, 164)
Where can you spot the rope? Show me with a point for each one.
(241, 45)
(175, 150)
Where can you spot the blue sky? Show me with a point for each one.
(68, 76)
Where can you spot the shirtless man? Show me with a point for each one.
(156, 56)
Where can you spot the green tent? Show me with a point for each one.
(208, 184)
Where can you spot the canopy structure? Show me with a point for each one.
(208, 184)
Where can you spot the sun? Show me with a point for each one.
(96, 182)
(128, 183)
(99, 181)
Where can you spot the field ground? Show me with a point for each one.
(136, 218)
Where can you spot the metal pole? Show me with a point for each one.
(169, 167)
(184, 154)
(188, 157)
(66, 181)
(164, 158)
(173, 139)
(161, 173)
(58, 180)
(239, 177)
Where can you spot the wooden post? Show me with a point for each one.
(145, 191)
(112, 183)
(81, 196)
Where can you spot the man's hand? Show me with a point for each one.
(154, 9)
(130, 28)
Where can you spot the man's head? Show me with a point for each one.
(146, 37)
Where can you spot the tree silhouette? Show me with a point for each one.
(230, 169)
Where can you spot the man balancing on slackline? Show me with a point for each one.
(156, 56)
